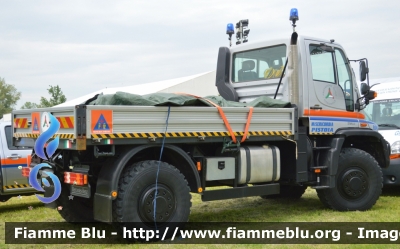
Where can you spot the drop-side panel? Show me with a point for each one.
(129, 122)
(147, 120)
(30, 124)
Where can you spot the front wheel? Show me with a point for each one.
(143, 202)
(358, 182)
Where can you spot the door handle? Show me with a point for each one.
(316, 108)
(14, 156)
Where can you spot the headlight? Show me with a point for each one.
(395, 147)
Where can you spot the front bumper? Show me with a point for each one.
(391, 175)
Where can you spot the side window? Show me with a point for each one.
(322, 65)
(8, 133)
(344, 77)
(9, 138)
(246, 69)
(262, 67)
(384, 111)
(258, 64)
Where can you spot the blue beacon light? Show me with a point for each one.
(230, 31)
(294, 15)
(229, 28)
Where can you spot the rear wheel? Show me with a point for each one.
(358, 182)
(140, 198)
(4, 198)
(74, 208)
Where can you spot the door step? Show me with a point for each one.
(321, 148)
(320, 187)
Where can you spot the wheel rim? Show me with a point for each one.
(353, 183)
(165, 204)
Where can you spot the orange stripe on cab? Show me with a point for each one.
(5, 161)
(331, 113)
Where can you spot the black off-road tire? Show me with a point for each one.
(288, 192)
(134, 206)
(3, 198)
(77, 209)
(358, 182)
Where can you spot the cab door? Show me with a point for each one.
(330, 75)
(12, 158)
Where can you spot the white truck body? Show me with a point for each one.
(385, 111)
(12, 158)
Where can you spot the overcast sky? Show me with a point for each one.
(84, 46)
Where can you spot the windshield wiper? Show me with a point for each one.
(389, 125)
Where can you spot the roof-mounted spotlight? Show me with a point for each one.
(245, 34)
(245, 22)
(241, 31)
(238, 38)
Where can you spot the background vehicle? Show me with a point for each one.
(12, 183)
(139, 163)
(385, 111)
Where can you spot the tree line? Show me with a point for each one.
(9, 96)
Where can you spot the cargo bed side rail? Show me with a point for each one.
(29, 124)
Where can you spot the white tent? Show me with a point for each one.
(383, 80)
(379, 80)
(199, 84)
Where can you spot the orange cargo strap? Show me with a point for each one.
(246, 129)
(221, 113)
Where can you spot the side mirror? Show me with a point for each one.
(363, 71)
(364, 88)
(372, 95)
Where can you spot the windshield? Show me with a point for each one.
(258, 64)
(385, 113)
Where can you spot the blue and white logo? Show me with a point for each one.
(49, 125)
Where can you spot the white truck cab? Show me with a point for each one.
(12, 159)
(385, 112)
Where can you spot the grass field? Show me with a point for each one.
(252, 209)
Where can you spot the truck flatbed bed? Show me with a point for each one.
(118, 124)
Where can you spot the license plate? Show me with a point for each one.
(81, 191)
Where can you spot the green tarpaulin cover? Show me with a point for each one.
(172, 99)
